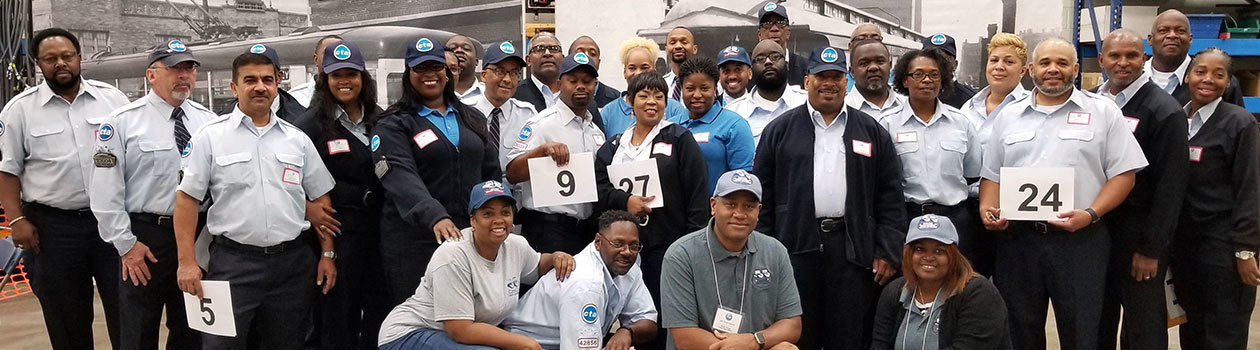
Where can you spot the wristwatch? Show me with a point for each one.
(330, 254)
(761, 339)
(1093, 215)
(1244, 254)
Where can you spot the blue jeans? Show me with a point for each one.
(434, 339)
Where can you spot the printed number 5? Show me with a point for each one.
(567, 185)
(1050, 200)
(209, 318)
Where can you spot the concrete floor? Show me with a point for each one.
(22, 327)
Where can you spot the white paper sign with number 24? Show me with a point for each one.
(639, 178)
(212, 314)
(1036, 194)
(572, 183)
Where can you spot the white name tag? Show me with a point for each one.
(862, 147)
(1132, 123)
(599, 139)
(291, 176)
(1036, 194)
(424, 138)
(1078, 118)
(338, 146)
(663, 148)
(727, 321)
(701, 137)
(1196, 153)
(909, 136)
(211, 314)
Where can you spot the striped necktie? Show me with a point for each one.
(495, 116)
(181, 132)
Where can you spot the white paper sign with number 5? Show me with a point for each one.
(212, 313)
(1036, 194)
(572, 183)
(639, 178)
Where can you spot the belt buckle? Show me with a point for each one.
(828, 225)
(1041, 227)
(165, 221)
(923, 208)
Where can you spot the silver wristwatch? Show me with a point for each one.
(330, 254)
(1244, 254)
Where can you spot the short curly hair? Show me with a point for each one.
(943, 64)
(608, 218)
(638, 42)
(699, 64)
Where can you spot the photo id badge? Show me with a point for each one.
(727, 320)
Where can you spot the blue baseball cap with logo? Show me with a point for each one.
(171, 53)
(734, 54)
(771, 7)
(485, 191)
(934, 227)
(826, 58)
(941, 41)
(500, 52)
(342, 54)
(575, 61)
(424, 50)
(271, 54)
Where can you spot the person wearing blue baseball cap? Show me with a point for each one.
(501, 72)
(429, 149)
(772, 24)
(834, 181)
(960, 93)
(342, 111)
(772, 96)
(638, 56)
(472, 283)
(724, 137)
(735, 67)
(940, 302)
(285, 105)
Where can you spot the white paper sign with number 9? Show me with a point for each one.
(1036, 194)
(212, 313)
(572, 183)
(638, 178)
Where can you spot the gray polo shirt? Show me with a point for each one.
(689, 296)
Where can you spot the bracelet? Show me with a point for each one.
(631, 333)
(16, 220)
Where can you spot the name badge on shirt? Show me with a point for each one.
(909, 136)
(1078, 118)
(663, 148)
(1132, 123)
(103, 159)
(862, 147)
(338, 146)
(291, 176)
(701, 137)
(727, 320)
(1196, 153)
(424, 138)
(599, 139)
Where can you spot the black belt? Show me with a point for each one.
(1037, 227)
(164, 221)
(48, 209)
(275, 249)
(933, 208)
(828, 225)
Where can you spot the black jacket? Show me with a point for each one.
(605, 94)
(798, 66)
(875, 210)
(1141, 223)
(972, 319)
(684, 183)
(290, 109)
(1233, 93)
(529, 92)
(426, 185)
(1223, 191)
(962, 93)
(358, 195)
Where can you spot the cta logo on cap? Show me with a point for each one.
(830, 55)
(741, 177)
(938, 39)
(258, 48)
(581, 58)
(424, 45)
(928, 222)
(507, 48)
(493, 187)
(770, 6)
(177, 46)
(342, 52)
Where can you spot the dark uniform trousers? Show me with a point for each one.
(1218, 305)
(350, 315)
(405, 258)
(838, 296)
(555, 232)
(1145, 313)
(972, 242)
(142, 305)
(271, 290)
(1038, 264)
(72, 255)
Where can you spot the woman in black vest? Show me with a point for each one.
(429, 151)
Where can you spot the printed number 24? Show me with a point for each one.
(1050, 200)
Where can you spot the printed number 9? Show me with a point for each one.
(567, 185)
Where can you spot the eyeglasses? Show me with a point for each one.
(543, 49)
(67, 57)
(634, 248)
(428, 68)
(920, 75)
(783, 23)
(181, 68)
(774, 57)
(504, 72)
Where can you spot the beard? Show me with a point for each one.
(1055, 91)
(58, 84)
(775, 83)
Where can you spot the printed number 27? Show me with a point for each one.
(209, 318)
(628, 185)
(1050, 200)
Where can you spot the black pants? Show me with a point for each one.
(350, 315)
(71, 256)
(1034, 268)
(650, 261)
(1145, 314)
(405, 257)
(838, 297)
(555, 232)
(142, 305)
(977, 243)
(1218, 305)
(273, 292)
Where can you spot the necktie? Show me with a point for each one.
(677, 93)
(1121, 99)
(181, 132)
(1172, 83)
(495, 115)
(1195, 123)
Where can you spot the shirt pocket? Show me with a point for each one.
(47, 142)
(953, 157)
(156, 157)
(1071, 147)
(911, 159)
(291, 171)
(1016, 146)
(236, 170)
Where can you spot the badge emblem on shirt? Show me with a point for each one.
(1078, 118)
(1132, 123)
(665, 149)
(701, 137)
(187, 150)
(862, 147)
(526, 132)
(1196, 153)
(507, 48)
(381, 168)
(590, 313)
(291, 176)
(514, 287)
(376, 142)
(1, 128)
(424, 138)
(338, 146)
(258, 48)
(761, 278)
(105, 133)
(104, 159)
(342, 52)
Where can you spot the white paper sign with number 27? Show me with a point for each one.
(212, 314)
(639, 178)
(1036, 194)
(572, 183)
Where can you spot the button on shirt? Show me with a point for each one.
(555, 313)
(726, 140)
(447, 123)
(757, 116)
(1126, 94)
(936, 156)
(249, 171)
(548, 96)
(1097, 143)
(556, 124)
(515, 114)
(1168, 80)
(619, 116)
(148, 164)
(830, 170)
(893, 105)
(49, 142)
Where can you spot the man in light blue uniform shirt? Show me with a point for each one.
(131, 196)
(772, 95)
(501, 72)
(606, 286)
(871, 65)
(261, 171)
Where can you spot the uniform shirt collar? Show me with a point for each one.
(248, 122)
(156, 101)
(1204, 112)
(907, 115)
(45, 93)
(425, 111)
(708, 117)
(477, 88)
(816, 116)
(1077, 99)
(858, 101)
(1126, 94)
(979, 103)
(344, 117)
(720, 253)
(563, 109)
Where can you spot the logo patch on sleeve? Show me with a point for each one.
(590, 314)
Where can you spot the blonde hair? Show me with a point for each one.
(638, 42)
(1013, 41)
